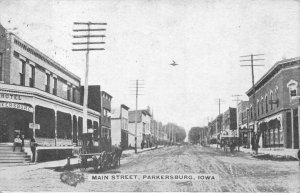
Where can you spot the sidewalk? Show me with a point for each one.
(131, 151)
(73, 161)
(269, 151)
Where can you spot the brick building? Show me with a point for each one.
(38, 97)
(277, 105)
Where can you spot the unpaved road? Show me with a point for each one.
(238, 172)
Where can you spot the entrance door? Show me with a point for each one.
(295, 128)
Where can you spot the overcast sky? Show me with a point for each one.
(204, 37)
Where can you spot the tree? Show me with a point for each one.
(194, 135)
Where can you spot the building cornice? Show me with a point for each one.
(275, 69)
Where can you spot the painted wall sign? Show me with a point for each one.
(10, 96)
(16, 106)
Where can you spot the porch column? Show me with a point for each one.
(55, 126)
(72, 127)
(299, 125)
(33, 118)
(33, 121)
(292, 129)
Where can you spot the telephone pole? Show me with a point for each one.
(138, 84)
(85, 33)
(219, 101)
(253, 86)
(237, 99)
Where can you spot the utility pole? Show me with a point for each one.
(219, 101)
(137, 88)
(237, 99)
(86, 47)
(253, 86)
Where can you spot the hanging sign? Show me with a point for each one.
(16, 106)
(31, 125)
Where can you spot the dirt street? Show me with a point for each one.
(238, 172)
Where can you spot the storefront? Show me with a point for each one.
(272, 131)
(34, 113)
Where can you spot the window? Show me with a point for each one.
(262, 106)
(47, 82)
(257, 108)
(74, 94)
(251, 113)
(292, 85)
(31, 76)
(266, 101)
(22, 72)
(1, 62)
(54, 86)
(69, 93)
(271, 99)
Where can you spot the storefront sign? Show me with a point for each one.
(31, 125)
(16, 106)
(10, 96)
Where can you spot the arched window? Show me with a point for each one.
(262, 106)
(271, 99)
(257, 107)
(266, 101)
(292, 85)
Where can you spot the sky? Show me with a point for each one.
(206, 38)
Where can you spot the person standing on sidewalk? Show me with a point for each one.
(33, 145)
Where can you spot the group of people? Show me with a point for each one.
(19, 142)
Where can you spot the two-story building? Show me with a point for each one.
(119, 126)
(277, 105)
(143, 127)
(38, 97)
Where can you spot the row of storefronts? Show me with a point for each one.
(272, 112)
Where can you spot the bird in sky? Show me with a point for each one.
(174, 63)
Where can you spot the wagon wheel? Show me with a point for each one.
(95, 163)
(83, 163)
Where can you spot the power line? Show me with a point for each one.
(137, 89)
(87, 35)
(237, 99)
(253, 85)
(219, 101)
